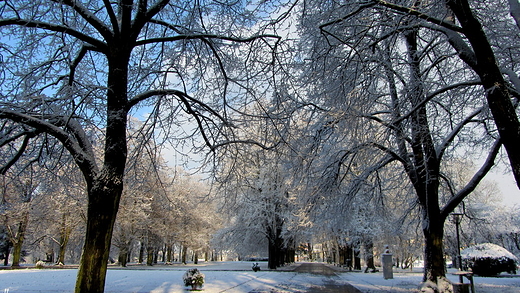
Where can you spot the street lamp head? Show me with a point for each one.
(457, 217)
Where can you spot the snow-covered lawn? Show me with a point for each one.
(227, 277)
(408, 281)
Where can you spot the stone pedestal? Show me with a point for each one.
(386, 259)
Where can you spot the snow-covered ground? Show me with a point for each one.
(229, 277)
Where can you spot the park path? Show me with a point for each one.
(329, 287)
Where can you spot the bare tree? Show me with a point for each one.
(73, 71)
(474, 47)
(394, 93)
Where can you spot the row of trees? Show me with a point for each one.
(392, 95)
(162, 210)
(362, 101)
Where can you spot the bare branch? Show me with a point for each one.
(204, 36)
(449, 139)
(99, 45)
(21, 150)
(89, 17)
(360, 8)
(432, 95)
(143, 16)
(411, 11)
(472, 184)
(112, 16)
(82, 156)
(77, 60)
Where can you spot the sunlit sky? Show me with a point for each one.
(507, 185)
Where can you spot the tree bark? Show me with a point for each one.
(184, 251)
(369, 256)
(357, 257)
(141, 253)
(169, 253)
(19, 239)
(424, 170)
(123, 256)
(102, 210)
(149, 255)
(106, 187)
(64, 239)
(434, 265)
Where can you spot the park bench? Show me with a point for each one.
(462, 287)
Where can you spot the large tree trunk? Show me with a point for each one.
(169, 253)
(102, 210)
(349, 254)
(149, 255)
(106, 187)
(196, 257)
(276, 253)
(434, 265)
(18, 240)
(123, 256)
(357, 257)
(141, 253)
(184, 251)
(424, 171)
(369, 256)
(64, 239)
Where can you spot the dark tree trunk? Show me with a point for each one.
(434, 265)
(149, 255)
(169, 253)
(357, 259)
(141, 253)
(424, 172)
(123, 256)
(183, 254)
(6, 256)
(18, 240)
(64, 239)
(105, 187)
(101, 212)
(164, 253)
(272, 255)
(497, 94)
(369, 256)
(276, 254)
(349, 257)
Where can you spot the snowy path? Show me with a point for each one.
(230, 277)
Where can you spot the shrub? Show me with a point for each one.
(193, 278)
(40, 264)
(489, 259)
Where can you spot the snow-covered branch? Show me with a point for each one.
(101, 46)
(79, 148)
(205, 36)
(441, 148)
(419, 14)
(472, 184)
(90, 17)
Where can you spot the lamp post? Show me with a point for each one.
(457, 217)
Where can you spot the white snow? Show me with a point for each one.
(486, 250)
(235, 277)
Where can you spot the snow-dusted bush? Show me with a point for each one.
(40, 264)
(193, 278)
(489, 259)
